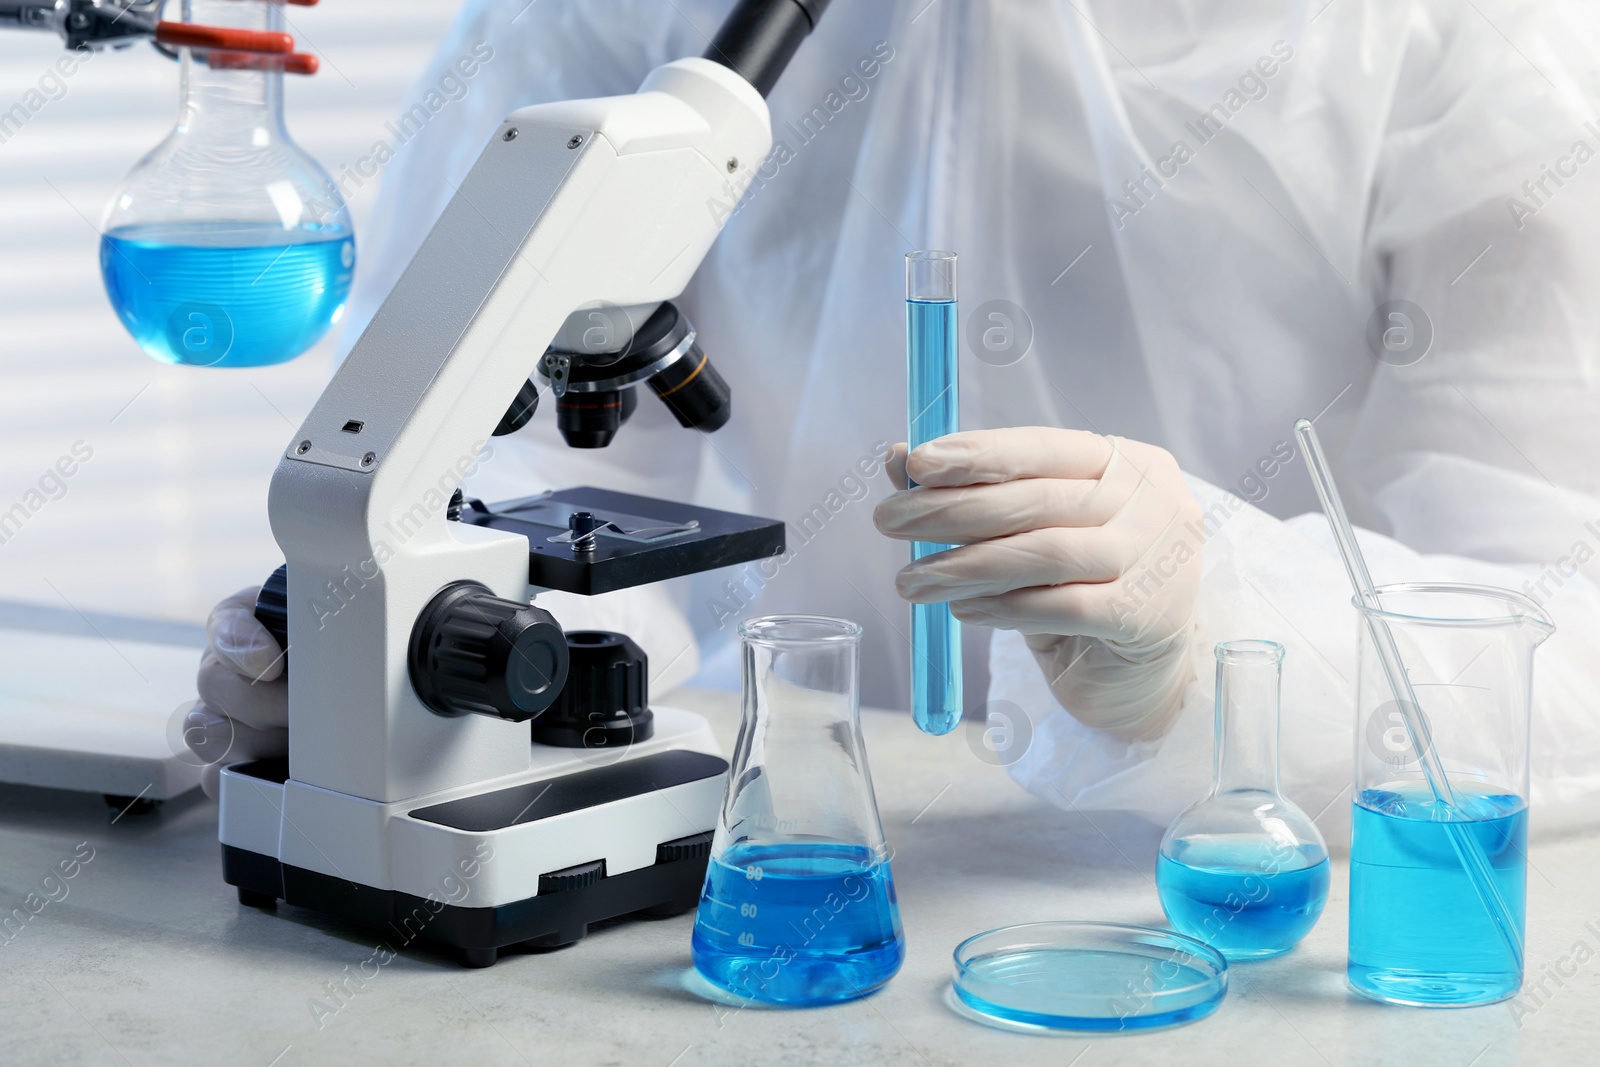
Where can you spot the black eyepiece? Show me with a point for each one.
(759, 37)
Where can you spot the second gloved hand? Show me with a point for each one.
(1088, 545)
(243, 712)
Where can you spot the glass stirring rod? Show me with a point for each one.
(932, 410)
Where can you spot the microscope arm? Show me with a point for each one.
(607, 202)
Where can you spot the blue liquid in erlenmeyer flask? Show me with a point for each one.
(798, 923)
(1241, 895)
(1419, 933)
(227, 295)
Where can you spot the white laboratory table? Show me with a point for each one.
(149, 960)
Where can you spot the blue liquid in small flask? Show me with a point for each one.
(227, 245)
(798, 907)
(933, 409)
(1243, 869)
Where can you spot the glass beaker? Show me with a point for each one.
(1421, 930)
(798, 906)
(226, 245)
(1243, 869)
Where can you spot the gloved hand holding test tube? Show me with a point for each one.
(932, 410)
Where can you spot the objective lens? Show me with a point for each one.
(694, 392)
(591, 420)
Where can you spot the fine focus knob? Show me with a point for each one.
(472, 651)
(606, 701)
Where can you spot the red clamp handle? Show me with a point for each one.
(187, 35)
(296, 63)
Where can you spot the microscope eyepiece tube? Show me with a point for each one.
(759, 37)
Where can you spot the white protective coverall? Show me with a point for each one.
(1197, 207)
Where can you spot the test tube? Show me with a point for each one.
(932, 410)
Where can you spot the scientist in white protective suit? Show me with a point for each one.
(1181, 226)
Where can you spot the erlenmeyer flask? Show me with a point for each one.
(227, 245)
(1243, 869)
(799, 907)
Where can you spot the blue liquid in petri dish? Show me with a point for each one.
(798, 924)
(1241, 895)
(934, 411)
(1418, 932)
(235, 295)
(1079, 975)
(1081, 989)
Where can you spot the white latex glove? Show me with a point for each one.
(243, 713)
(1088, 545)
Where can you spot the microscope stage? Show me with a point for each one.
(656, 540)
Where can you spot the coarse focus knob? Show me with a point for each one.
(272, 608)
(472, 651)
(606, 701)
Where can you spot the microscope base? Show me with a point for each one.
(546, 921)
(531, 860)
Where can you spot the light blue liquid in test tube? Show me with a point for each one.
(932, 410)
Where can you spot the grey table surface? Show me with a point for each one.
(145, 957)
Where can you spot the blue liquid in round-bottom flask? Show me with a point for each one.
(233, 295)
(798, 923)
(1241, 895)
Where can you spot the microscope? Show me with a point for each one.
(461, 770)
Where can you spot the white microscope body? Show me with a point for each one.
(386, 806)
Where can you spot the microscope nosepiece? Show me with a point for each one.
(596, 391)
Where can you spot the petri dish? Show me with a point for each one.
(1087, 976)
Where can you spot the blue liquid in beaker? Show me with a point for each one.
(1419, 934)
(934, 411)
(798, 923)
(227, 296)
(1242, 896)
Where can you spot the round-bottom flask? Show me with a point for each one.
(1243, 868)
(226, 245)
(799, 906)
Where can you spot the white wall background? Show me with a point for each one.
(170, 513)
